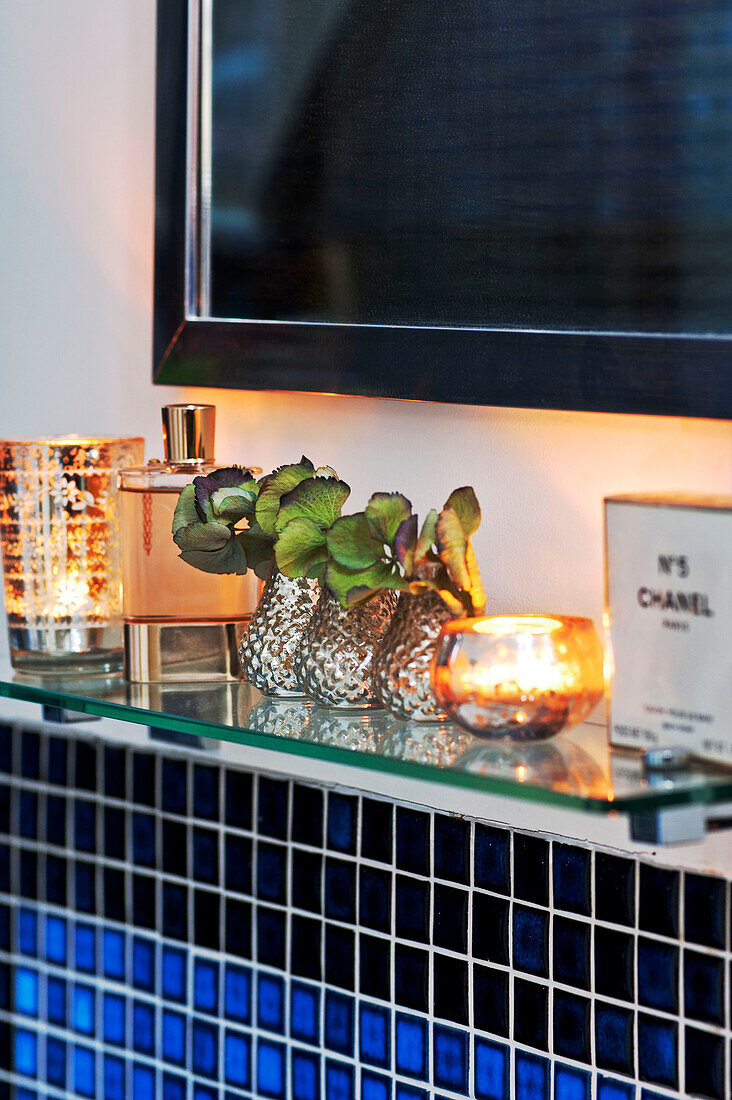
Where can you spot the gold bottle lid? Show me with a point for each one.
(188, 433)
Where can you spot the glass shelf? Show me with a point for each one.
(575, 770)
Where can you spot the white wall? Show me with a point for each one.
(76, 228)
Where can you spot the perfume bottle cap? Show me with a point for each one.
(188, 433)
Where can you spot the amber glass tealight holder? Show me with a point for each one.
(520, 676)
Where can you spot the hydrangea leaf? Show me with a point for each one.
(186, 514)
(452, 544)
(405, 541)
(427, 537)
(229, 559)
(477, 592)
(230, 477)
(385, 512)
(232, 504)
(203, 536)
(453, 602)
(355, 586)
(259, 550)
(273, 487)
(319, 499)
(300, 548)
(352, 544)
(465, 504)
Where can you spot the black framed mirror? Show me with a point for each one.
(505, 203)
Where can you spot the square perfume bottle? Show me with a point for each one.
(179, 624)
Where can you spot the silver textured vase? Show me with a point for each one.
(401, 669)
(362, 731)
(268, 649)
(438, 743)
(334, 663)
(281, 717)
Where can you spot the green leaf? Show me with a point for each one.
(273, 487)
(300, 548)
(427, 537)
(203, 536)
(355, 586)
(465, 504)
(452, 545)
(232, 505)
(319, 499)
(230, 559)
(186, 514)
(259, 550)
(477, 592)
(404, 543)
(385, 512)
(351, 542)
(228, 477)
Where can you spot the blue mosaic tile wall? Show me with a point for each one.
(184, 930)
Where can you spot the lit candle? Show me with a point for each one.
(523, 676)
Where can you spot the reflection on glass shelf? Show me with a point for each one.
(577, 768)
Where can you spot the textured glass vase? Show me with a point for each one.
(281, 717)
(362, 731)
(401, 670)
(271, 644)
(334, 663)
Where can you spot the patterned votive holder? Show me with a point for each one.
(59, 528)
(520, 676)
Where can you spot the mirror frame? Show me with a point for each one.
(671, 375)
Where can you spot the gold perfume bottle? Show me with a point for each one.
(179, 624)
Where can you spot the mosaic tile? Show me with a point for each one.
(377, 830)
(531, 940)
(450, 918)
(658, 900)
(162, 958)
(531, 1013)
(307, 816)
(532, 1076)
(375, 967)
(411, 981)
(272, 807)
(340, 965)
(658, 968)
(703, 987)
(531, 869)
(174, 787)
(572, 1026)
(490, 929)
(450, 978)
(615, 897)
(375, 898)
(704, 1061)
(306, 947)
(614, 964)
(306, 881)
(412, 841)
(571, 952)
(451, 848)
(412, 909)
(705, 910)
(490, 1003)
(492, 1064)
(375, 1036)
(341, 825)
(614, 1037)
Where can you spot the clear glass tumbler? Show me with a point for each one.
(59, 528)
